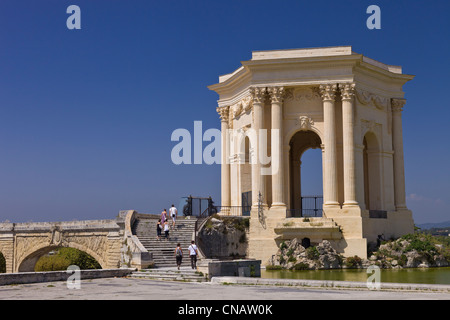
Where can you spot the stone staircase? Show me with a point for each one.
(163, 250)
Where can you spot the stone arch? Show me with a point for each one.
(372, 162)
(300, 142)
(293, 131)
(28, 260)
(2, 263)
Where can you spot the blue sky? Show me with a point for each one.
(86, 115)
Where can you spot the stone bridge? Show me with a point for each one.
(110, 242)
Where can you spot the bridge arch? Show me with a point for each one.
(28, 262)
(110, 242)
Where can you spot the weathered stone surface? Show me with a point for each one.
(110, 242)
(223, 238)
(292, 255)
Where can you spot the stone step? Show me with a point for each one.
(170, 274)
(163, 250)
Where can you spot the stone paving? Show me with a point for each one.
(144, 289)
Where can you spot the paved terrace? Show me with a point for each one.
(145, 289)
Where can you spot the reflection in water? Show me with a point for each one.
(407, 275)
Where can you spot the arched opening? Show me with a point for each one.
(2, 263)
(306, 243)
(54, 258)
(305, 167)
(372, 173)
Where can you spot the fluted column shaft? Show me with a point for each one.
(328, 92)
(258, 186)
(399, 164)
(276, 96)
(347, 94)
(225, 167)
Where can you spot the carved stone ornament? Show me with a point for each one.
(305, 123)
(303, 94)
(368, 125)
(241, 107)
(223, 113)
(258, 94)
(366, 98)
(328, 91)
(276, 94)
(397, 104)
(56, 236)
(347, 90)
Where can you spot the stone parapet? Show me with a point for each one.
(50, 276)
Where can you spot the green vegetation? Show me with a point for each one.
(427, 244)
(272, 267)
(353, 262)
(63, 258)
(283, 246)
(312, 253)
(236, 223)
(301, 266)
(411, 249)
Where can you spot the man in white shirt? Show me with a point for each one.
(193, 252)
(173, 214)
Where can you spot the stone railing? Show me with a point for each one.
(133, 253)
(50, 276)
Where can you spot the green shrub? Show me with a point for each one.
(52, 263)
(65, 257)
(301, 266)
(312, 253)
(353, 262)
(402, 260)
(271, 267)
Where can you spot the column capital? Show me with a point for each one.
(328, 91)
(276, 94)
(223, 113)
(397, 104)
(258, 94)
(347, 90)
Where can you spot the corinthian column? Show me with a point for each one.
(225, 167)
(347, 94)
(397, 142)
(328, 92)
(258, 96)
(276, 97)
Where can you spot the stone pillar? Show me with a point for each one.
(276, 97)
(328, 92)
(287, 174)
(225, 167)
(297, 185)
(397, 143)
(347, 94)
(359, 172)
(258, 96)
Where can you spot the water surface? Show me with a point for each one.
(409, 275)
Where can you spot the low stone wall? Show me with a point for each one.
(330, 284)
(234, 268)
(50, 276)
(224, 238)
